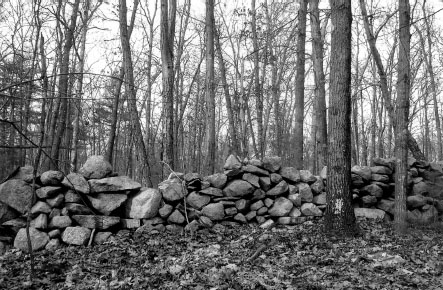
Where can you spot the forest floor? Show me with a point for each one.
(295, 257)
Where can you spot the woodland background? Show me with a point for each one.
(137, 83)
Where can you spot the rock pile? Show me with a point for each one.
(89, 205)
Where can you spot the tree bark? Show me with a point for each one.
(300, 86)
(402, 114)
(339, 217)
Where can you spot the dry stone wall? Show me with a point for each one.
(91, 205)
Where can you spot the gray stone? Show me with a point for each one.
(238, 188)
(112, 184)
(232, 162)
(17, 194)
(47, 191)
(165, 210)
(15, 224)
(76, 181)
(357, 180)
(255, 170)
(262, 211)
(54, 234)
(257, 205)
(415, 201)
(38, 239)
(275, 178)
(419, 188)
(240, 218)
(197, 201)
(369, 213)
(96, 221)
(233, 172)
(293, 189)
(95, 167)
(305, 192)
(380, 177)
(386, 205)
(388, 162)
(265, 183)
(381, 170)
(363, 171)
(143, 204)
(255, 162)
(212, 191)
(192, 226)
(56, 201)
(295, 198)
(231, 211)
(252, 179)
(251, 215)
(101, 237)
(318, 186)
(214, 211)
(268, 224)
(25, 173)
(206, 222)
(217, 180)
(272, 163)
(372, 189)
(279, 189)
(281, 207)
(310, 209)
(72, 196)
(7, 213)
(295, 212)
(76, 236)
(324, 173)
(269, 202)
(40, 222)
(369, 200)
(176, 229)
(192, 176)
(107, 202)
(76, 209)
(320, 199)
(290, 174)
(52, 245)
(171, 190)
(40, 207)
(258, 194)
(60, 222)
(51, 177)
(130, 223)
(307, 177)
(241, 204)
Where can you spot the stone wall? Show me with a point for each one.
(88, 206)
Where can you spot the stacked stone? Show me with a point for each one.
(254, 191)
(374, 187)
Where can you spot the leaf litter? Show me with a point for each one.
(240, 257)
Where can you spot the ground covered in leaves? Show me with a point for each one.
(242, 257)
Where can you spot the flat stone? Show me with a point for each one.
(197, 201)
(290, 174)
(217, 180)
(60, 222)
(38, 239)
(279, 189)
(388, 162)
(96, 221)
(255, 170)
(112, 184)
(257, 205)
(143, 204)
(17, 194)
(370, 213)
(77, 182)
(130, 223)
(107, 202)
(171, 190)
(76, 209)
(52, 177)
(47, 191)
(281, 207)
(96, 167)
(238, 188)
(212, 191)
(381, 170)
(76, 236)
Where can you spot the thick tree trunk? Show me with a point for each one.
(402, 114)
(340, 218)
(300, 86)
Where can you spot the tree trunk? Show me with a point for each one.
(339, 217)
(300, 86)
(210, 89)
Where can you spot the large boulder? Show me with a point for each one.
(214, 211)
(38, 239)
(76, 236)
(279, 189)
(196, 200)
(77, 182)
(96, 221)
(144, 204)
(238, 188)
(369, 213)
(281, 207)
(17, 194)
(107, 202)
(217, 180)
(171, 190)
(112, 184)
(51, 177)
(272, 163)
(96, 167)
